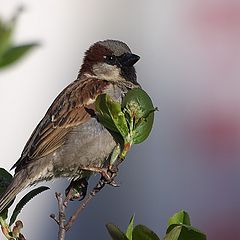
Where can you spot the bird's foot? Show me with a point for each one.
(77, 189)
(108, 175)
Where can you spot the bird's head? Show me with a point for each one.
(110, 60)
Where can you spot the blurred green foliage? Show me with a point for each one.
(11, 53)
(5, 180)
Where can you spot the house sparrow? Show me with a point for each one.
(69, 141)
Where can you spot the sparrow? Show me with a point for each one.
(70, 141)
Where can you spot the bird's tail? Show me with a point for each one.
(19, 182)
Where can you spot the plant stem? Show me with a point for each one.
(61, 217)
(87, 199)
(63, 204)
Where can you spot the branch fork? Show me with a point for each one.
(63, 224)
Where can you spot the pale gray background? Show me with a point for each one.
(189, 65)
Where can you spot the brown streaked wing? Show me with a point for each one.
(67, 111)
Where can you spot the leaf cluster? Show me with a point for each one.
(132, 119)
(179, 228)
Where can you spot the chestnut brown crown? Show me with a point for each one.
(110, 60)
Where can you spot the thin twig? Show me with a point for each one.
(21, 237)
(61, 214)
(54, 218)
(63, 204)
(68, 197)
(61, 217)
(86, 200)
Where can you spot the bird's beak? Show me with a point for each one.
(128, 59)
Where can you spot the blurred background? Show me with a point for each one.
(190, 66)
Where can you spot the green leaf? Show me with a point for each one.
(130, 228)
(114, 155)
(189, 232)
(180, 217)
(5, 180)
(118, 117)
(174, 234)
(24, 201)
(103, 112)
(110, 114)
(183, 232)
(4, 214)
(133, 119)
(115, 232)
(15, 53)
(139, 107)
(141, 232)
(6, 30)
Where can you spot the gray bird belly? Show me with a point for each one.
(87, 145)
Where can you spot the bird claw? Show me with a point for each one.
(108, 176)
(114, 184)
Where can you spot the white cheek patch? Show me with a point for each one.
(107, 72)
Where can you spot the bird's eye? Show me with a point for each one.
(110, 59)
